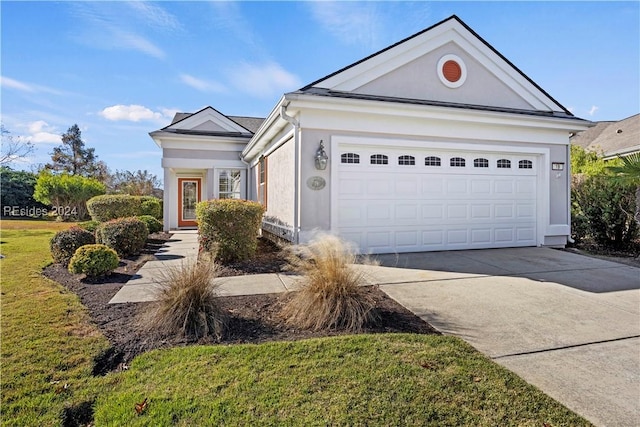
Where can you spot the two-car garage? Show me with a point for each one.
(407, 199)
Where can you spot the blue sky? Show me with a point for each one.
(122, 69)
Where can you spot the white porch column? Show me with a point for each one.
(211, 181)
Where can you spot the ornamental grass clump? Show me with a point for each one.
(187, 306)
(331, 296)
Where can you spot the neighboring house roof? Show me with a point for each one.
(610, 138)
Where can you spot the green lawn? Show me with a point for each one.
(399, 379)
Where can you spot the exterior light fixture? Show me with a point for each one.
(321, 158)
(557, 166)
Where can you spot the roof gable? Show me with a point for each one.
(207, 120)
(409, 70)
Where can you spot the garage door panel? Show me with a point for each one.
(399, 208)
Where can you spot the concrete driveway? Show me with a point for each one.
(567, 323)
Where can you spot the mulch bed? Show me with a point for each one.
(253, 318)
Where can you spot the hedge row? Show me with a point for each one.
(112, 206)
(230, 227)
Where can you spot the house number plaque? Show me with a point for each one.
(316, 183)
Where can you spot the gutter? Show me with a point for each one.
(296, 181)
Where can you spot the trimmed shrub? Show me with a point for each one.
(150, 205)
(331, 296)
(94, 260)
(602, 210)
(126, 236)
(112, 206)
(152, 223)
(230, 227)
(188, 305)
(65, 243)
(90, 226)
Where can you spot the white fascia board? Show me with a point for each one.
(197, 142)
(399, 109)
(272, 125)
(208, 114)
(177, 163)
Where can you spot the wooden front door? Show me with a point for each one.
(189, 192)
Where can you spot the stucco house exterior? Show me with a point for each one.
(437, 142)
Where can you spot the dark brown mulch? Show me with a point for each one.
(253, 318)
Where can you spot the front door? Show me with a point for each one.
(189, 190)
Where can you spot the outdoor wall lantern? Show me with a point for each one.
(557, 166)
(321, 158)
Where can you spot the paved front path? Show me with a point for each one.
(568, 324)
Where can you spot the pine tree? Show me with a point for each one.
(74, 158)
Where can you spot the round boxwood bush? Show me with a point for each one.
(126, 236)
(64, 244)
(150, 205)
(153, 224)
(94, 260)
(112, 206)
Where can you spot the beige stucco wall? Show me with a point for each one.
(280, 183)
(419, 79)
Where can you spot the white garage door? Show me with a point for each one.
(397, 200)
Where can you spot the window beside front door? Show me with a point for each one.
(229, 184)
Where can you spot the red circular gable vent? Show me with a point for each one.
(452, 71)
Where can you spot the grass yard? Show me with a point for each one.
(47, 338)
(383, 379)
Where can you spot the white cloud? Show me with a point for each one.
(263, 80)
(131, 113)
(130, 40)
(593, 110)
(111, 25)
(354, 23)
(26, 87)
(155, 15)
(40, 132)
(202, 85)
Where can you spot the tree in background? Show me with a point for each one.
(602, 205)
(67, 194)
(139, 183)
(13, 149)
(16, 190)
(629, 172)
(74, 158)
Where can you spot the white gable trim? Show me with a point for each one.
(205, 115)
(450, 31)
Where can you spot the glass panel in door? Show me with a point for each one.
(189, 200)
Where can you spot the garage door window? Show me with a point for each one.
(457, 162)
(525, 164)
(480, 163)
(504, 164)
(379, 159)
(350, 158)
(406, 160)
(432, 161)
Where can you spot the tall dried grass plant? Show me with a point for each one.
(332, 296)
(187, 306)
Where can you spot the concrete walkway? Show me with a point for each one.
(566, 323)
(183, 249)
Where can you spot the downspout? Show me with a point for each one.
(247, 187)
(569, 172)
(296, 184)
